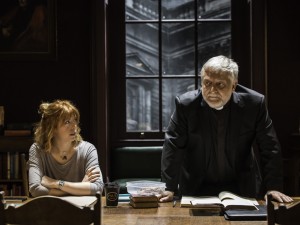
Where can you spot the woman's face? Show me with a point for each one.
(67, 130)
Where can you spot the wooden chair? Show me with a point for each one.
(24, 174)
(50, 210)
(291, 168)
(283, 213)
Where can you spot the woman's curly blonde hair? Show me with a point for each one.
(51, 116)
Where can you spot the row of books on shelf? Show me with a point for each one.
(14, 189)
(10, 165)
(17, 133)
(18, 129)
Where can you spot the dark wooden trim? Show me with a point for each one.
(258, 46)
(99, 83)
(241, 40)
(116, 67)
(116, 57)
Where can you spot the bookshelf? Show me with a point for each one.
(11, 148)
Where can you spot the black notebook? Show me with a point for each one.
(241, 215)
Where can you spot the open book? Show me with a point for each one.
(81, 201)
(226, 200)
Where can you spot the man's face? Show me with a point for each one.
(217, 89)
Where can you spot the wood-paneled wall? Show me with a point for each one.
(24, 84)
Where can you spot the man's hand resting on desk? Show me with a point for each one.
(278, 196)
(166, 196)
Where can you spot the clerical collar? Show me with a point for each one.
(220, 108)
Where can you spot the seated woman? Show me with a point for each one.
(60, 162)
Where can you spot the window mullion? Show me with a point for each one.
(196, 44)
(160, 64)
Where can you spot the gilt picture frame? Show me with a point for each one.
(28, 30)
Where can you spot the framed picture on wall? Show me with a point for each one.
(27, 30)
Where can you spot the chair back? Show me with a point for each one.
(50, 210)
(283, 213)
(24, 174)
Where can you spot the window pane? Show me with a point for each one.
(213, 9)
(142, 107)
(172, 88)
(178, 49)
(178, 9)
(206, 9)
(213, 39)
(171, 59)
(141, 9)
(141, 49)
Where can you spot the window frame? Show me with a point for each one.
(241, 45)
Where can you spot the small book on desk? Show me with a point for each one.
(124, 197)
(225, 200)
(143, 198)
(244, 214)
(143, 201)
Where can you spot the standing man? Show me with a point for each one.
(208, 143)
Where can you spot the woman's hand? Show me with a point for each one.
(92, 174)
(48, 182)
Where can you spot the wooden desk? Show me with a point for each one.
(164, 215)
(124, 214)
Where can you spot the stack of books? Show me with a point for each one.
(143, 201)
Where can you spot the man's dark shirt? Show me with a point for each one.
(219, 169)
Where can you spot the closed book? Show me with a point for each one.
(8, 166)
(1, 166)
(242, 215)
(139, 205)
(143, 198)
(16, 162)
(124, 197)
